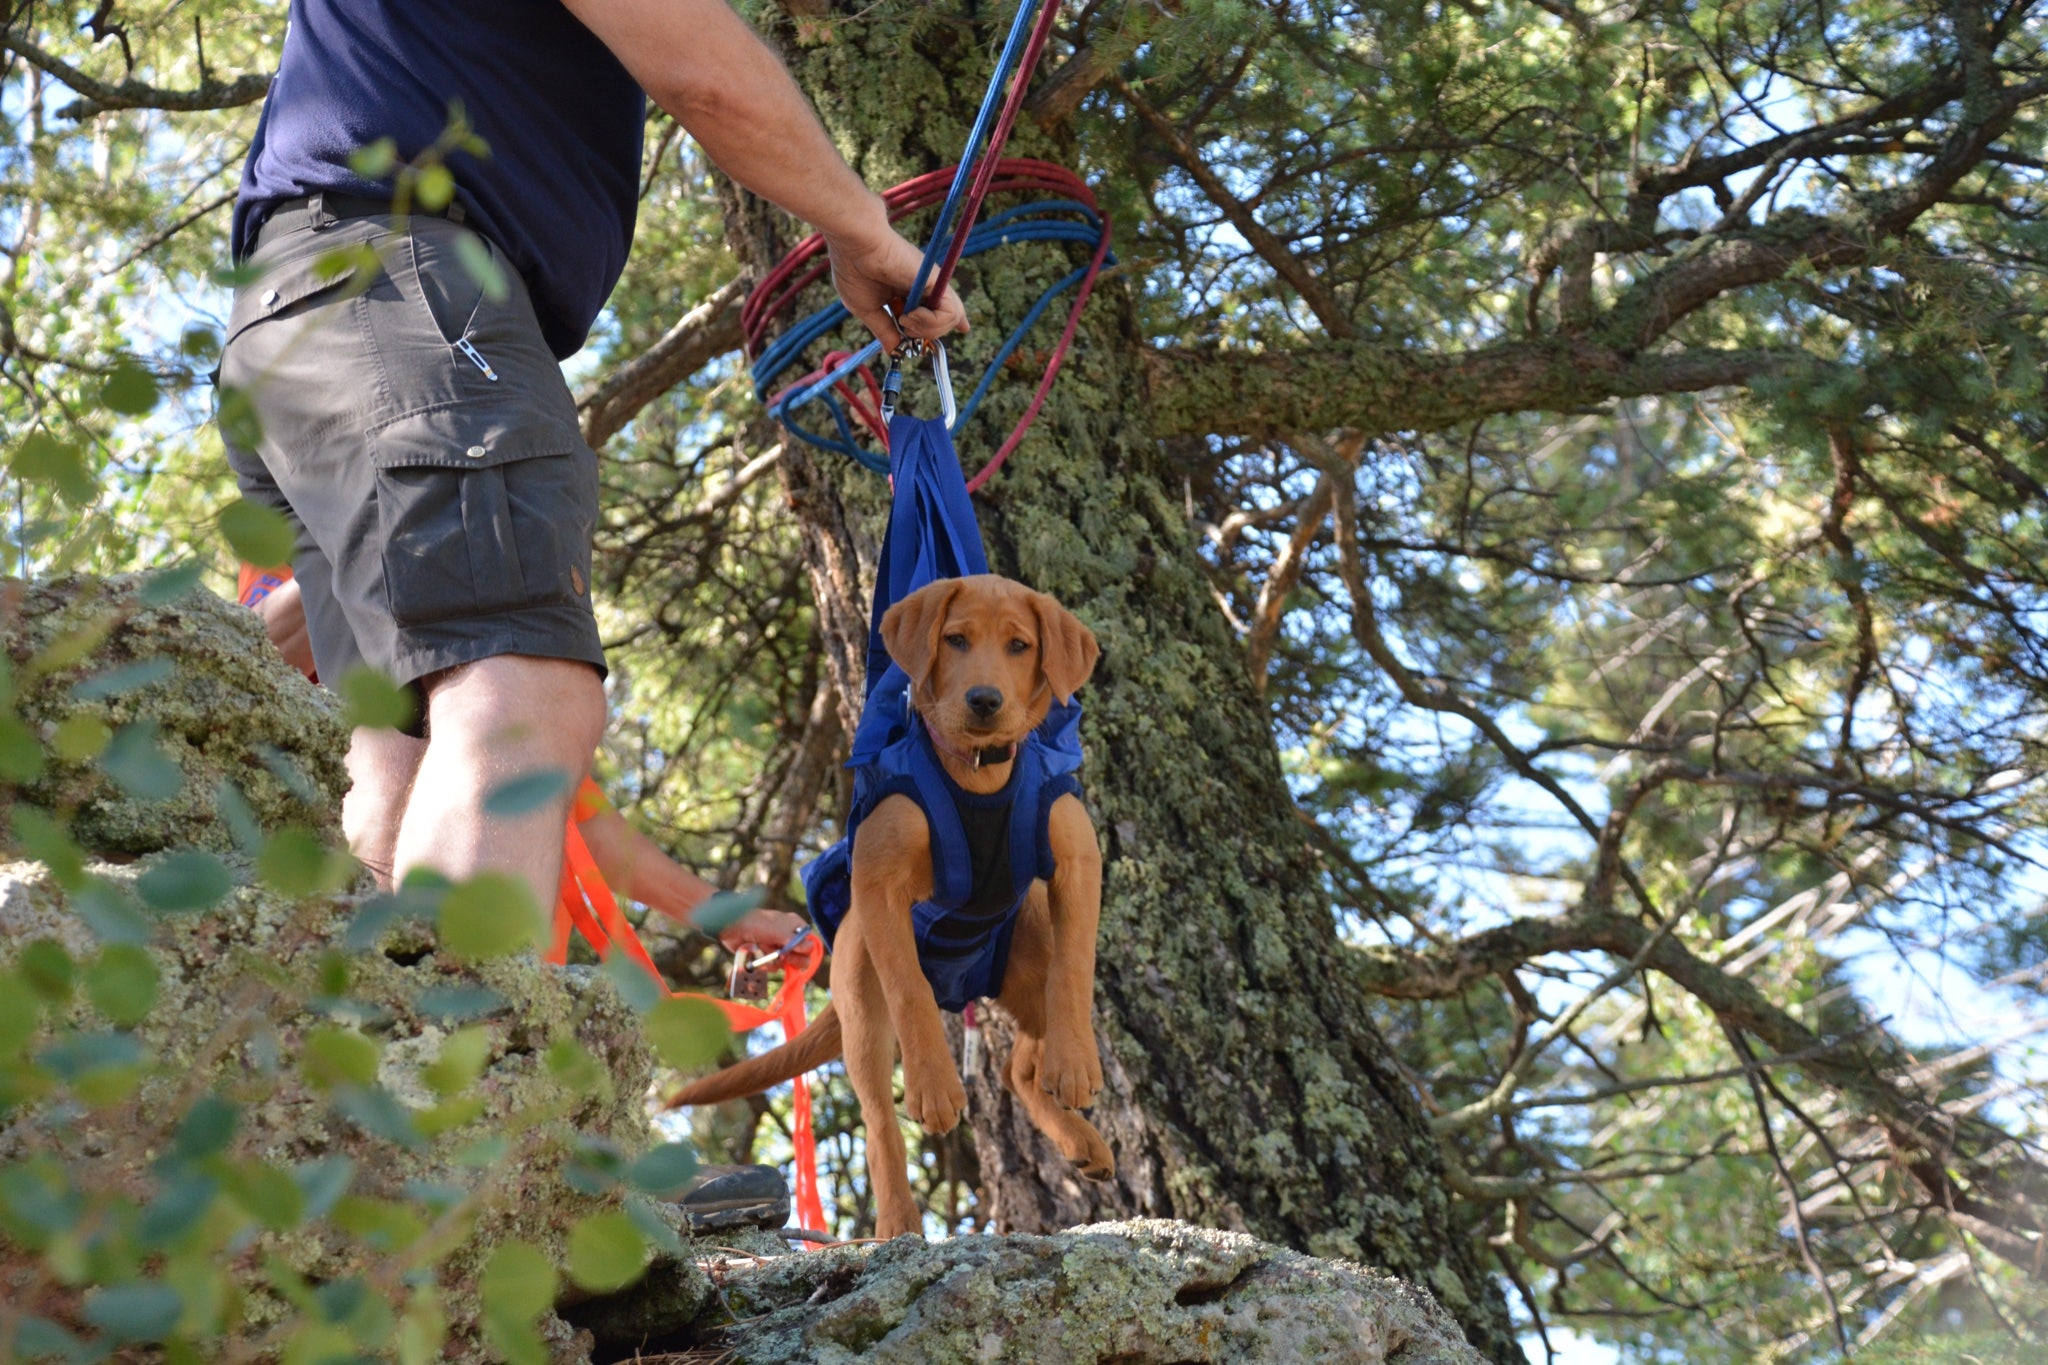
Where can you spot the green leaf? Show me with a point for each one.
(185, 882)
(208, 1127)
(138, 766)
(168, 585)
(42, 458)
(332, 1057)
(39, 1338)
(528, 792)
(462, 1059)
(122, 984)
(50, 844)
(76, 1055)
(265, 1193)
(239, 816)
(639, 988)
(483, 1154)
(259, 535)
(652, 1225)
(687, 1031)
(199, 342)
(38, 1199)
(113, 915)
(434, 188)
(518, 1285)
(373, 700)
(422, 1330)
(21, 753)
(177, 1211)
(235, 414)
(48, 969)
(297, 863)
(130, 390)
(19, 1014)
(374, 160)
(664, 1170)
(127, 678)
(606, 1252)
(457, 1003)
(81, 738)
(373, 1109)
(575, 1068)
(323, 1183)
(476, 258)
(135, 1312)
(490, 915)
(725, 909)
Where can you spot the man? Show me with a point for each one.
(722, 1196)
(625, 857)
(412, 421)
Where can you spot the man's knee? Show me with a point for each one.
(517, 701)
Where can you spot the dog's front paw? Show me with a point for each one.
(934, 1097)
(1071, 1070)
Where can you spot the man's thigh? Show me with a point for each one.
(420, 434)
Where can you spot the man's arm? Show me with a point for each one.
(702, 63)
(637, 865)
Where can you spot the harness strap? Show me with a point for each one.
(587, 906)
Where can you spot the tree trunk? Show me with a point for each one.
(1246, 1085)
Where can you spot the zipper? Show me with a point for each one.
(476, 358)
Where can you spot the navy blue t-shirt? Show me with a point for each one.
(557, 193)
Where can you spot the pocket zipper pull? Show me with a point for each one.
(476, 358)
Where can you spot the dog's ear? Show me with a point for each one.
(1066, 648)
(910, 629)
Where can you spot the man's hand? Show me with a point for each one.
(283, 613)
(760, 931)
(879, 271)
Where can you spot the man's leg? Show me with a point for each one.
(381, 767)
(487, 723)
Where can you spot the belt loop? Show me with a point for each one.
(316, 205)
(455, 213)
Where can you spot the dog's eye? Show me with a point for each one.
(957, 641)
(1019, 646)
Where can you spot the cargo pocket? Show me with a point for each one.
(479, 513)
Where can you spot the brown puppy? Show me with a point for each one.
(986, 656)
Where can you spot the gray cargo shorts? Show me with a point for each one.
(420, 437)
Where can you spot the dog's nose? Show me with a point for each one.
(984, 701)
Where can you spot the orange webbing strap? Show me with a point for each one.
(587, 906)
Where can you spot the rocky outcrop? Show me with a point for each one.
(1136, 1293)
(193, 674)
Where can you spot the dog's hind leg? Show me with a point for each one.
(1023, 999)
(870, 1042)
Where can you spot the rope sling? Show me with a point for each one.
(920, 521)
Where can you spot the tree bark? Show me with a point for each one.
(1246, 1085)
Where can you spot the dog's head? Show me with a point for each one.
(986, 656)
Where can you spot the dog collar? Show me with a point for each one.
(973, 758)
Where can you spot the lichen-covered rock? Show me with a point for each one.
(1132, 1293)
(240, 988)
(225, 707)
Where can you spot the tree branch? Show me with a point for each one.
(101, 96)
(702, 335)
(1381, 388)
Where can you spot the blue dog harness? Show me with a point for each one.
(986, 849)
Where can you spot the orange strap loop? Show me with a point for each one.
(587, 906)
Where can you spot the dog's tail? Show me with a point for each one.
(815, 1046)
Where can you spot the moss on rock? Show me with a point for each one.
(226, 709)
